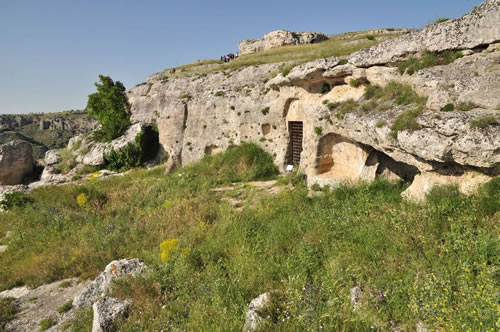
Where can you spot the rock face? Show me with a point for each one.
(478, 28)
(15, 162)
(280, 38)
(201, 114)
(114, 270)
(106, 311)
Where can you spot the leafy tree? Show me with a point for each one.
(109, 105)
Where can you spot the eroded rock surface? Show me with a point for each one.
(100, 285)
(15, 162)
(106, 311)
(280, 38)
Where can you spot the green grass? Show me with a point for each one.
(310, 251)
(7, 311)
(297, 54)
(406, 121)
(46, 324)
(466, 106)
(483, 121)
(448, 108)
(400, 94)
(428, 59)
(67, 162)
(65, 307)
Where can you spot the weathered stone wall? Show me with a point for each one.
(204, 114)
(280, 38)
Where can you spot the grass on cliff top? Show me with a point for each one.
(297, 53)
(436, 261)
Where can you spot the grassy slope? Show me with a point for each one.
(436, 261)
(297, 54)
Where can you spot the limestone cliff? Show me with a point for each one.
(204, 114)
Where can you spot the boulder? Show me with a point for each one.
(252, 317)
(15, 162)
(355, 297)
(106, 311)
(280, 38)
(114, 270)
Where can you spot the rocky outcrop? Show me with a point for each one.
(475, 29)
(100, 285)
(106, 311)
(280, 38)
(200, 114)
(15, 162)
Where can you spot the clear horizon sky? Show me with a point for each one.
(52, 51)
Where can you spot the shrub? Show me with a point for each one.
(318, 131)
(369, 106)
(132, 155)
(428, 59)
(406, 121)
(380, 123)
(448, 108)
(17, 198)
(185, 96)
(441, 20)
(67, 162)
(325, 88)
(286, 69)
(65, 307)
(372, 91)
(90, 198)
(483, 121)
(355, 83)
(345, 107)
(332, 106)
(265, 110)
(466, 106)
(47, 323)
(7, 310)
(219, 94)
(370, 37)
(325, 101)
(109, 105)
(343, 62)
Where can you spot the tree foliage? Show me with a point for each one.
(109, 105)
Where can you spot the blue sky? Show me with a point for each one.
(52, 51)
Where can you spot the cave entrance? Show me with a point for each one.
(295, 130)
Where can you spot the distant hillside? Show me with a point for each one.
(44, 131)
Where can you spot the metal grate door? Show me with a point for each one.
(295, 129)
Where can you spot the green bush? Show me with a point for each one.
(355, 83)
(46, 324)
(7, 311)
(370, 37)
(134, 154)
(448, 108)
(380, 123)
(18, 199)
(343, 62)
(219, 94)
(318, 131)
(372, 91)
(345, 107)
(65, 307)
(406, 121)
(466, 106)
(286, 69)
(265, 110)
(428, 59)
(109, 105)
(483, 121)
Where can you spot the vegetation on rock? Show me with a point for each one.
(428, 59)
